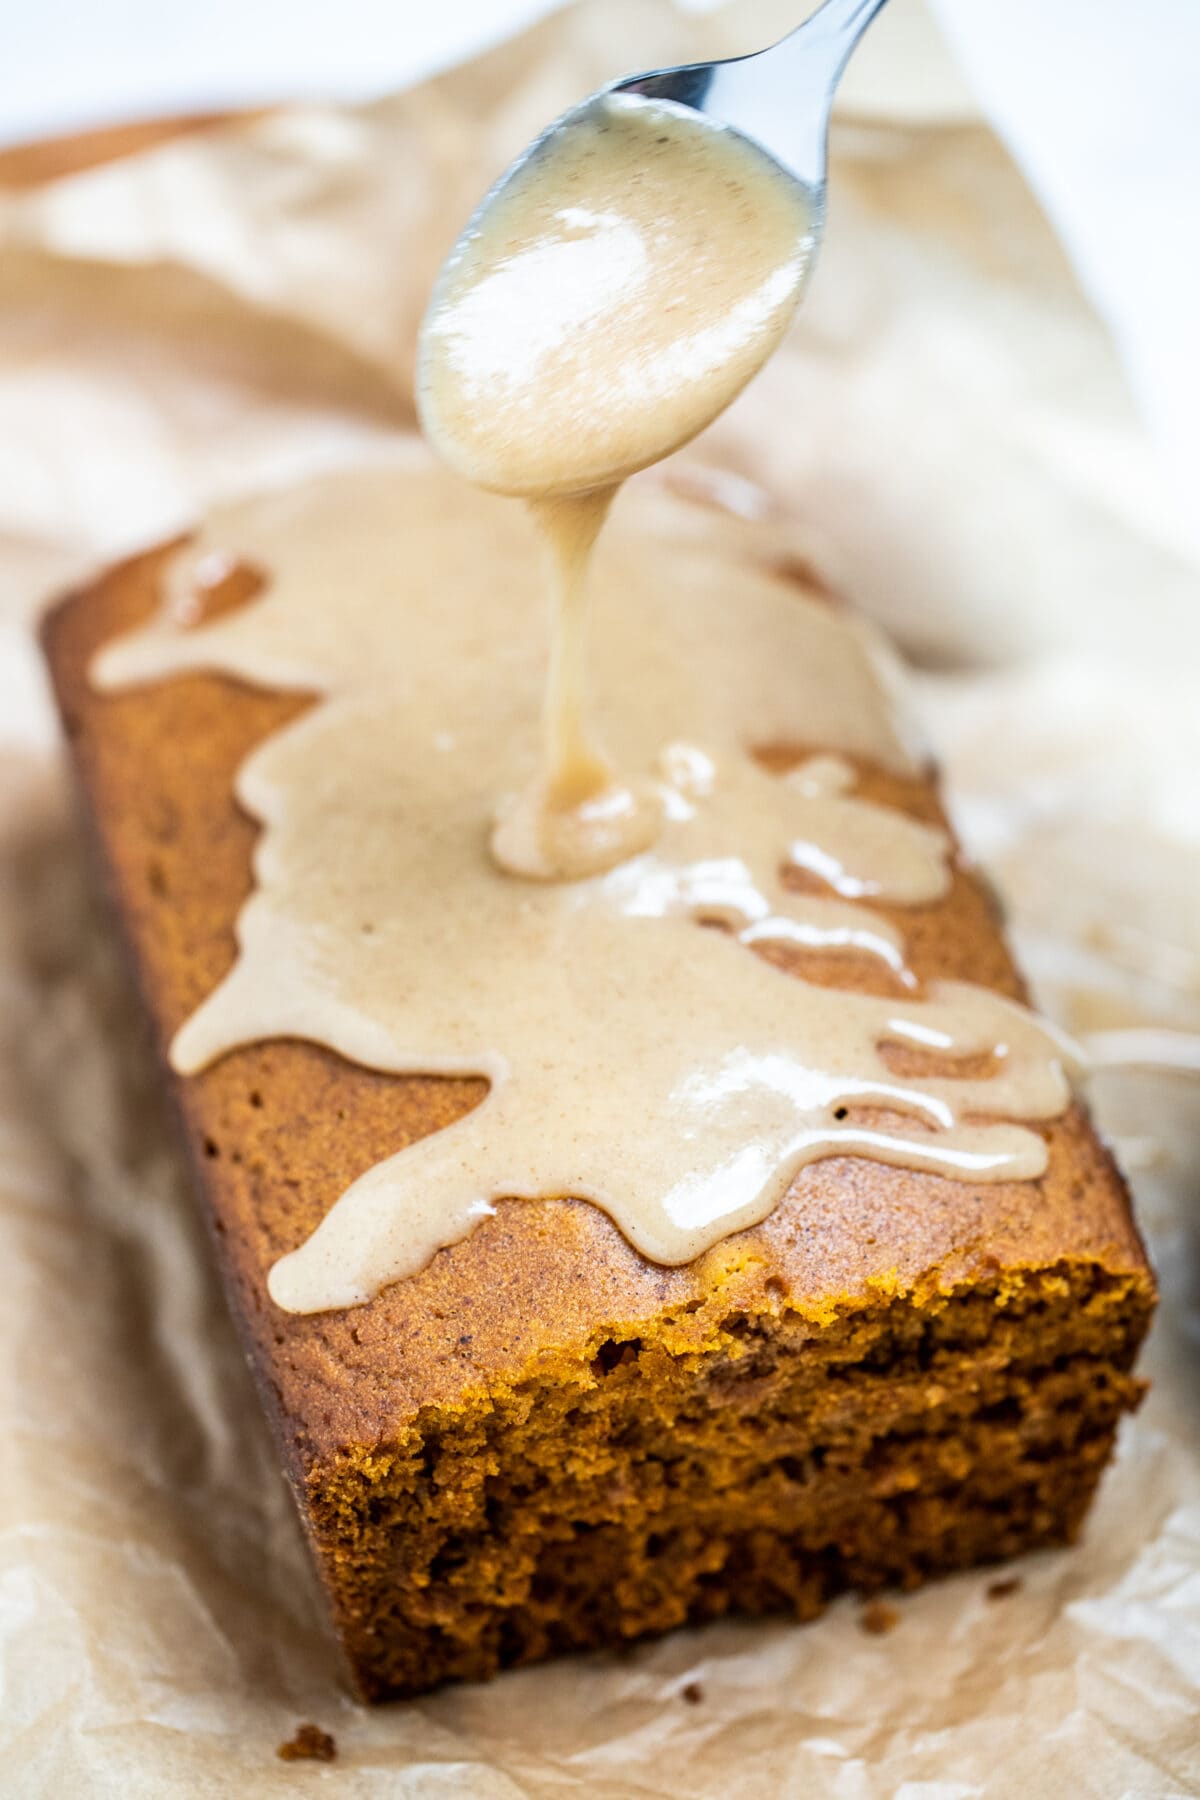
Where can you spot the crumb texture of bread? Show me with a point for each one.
(543, 1442)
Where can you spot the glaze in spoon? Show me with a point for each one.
(634, 267)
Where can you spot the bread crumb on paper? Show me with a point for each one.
(310, 1744)
(878, 1618)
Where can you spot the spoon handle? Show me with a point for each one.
(836, 27)
(793, 97)
(841, 18)
(780, 97)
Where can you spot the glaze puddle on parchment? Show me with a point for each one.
(665, 1072)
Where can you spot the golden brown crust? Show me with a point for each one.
(277, 1131)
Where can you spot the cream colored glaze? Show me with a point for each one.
(576, 817)
(618, 287)
(664, 1072)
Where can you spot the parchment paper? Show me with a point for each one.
(948, 435)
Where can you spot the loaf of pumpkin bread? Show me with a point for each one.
(542, 1441)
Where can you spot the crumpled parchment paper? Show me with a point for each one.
(948, 432)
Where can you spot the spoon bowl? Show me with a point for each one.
(634, 268)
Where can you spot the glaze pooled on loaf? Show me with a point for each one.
(668, 1074)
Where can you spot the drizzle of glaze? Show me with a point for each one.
(577, 816)
(668, 1074)
(617, 288)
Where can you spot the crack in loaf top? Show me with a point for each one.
(665, 1072)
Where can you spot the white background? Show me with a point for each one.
(67, 64)
(1098, 100)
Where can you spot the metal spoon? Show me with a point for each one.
(778, 100)
(780, 97)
